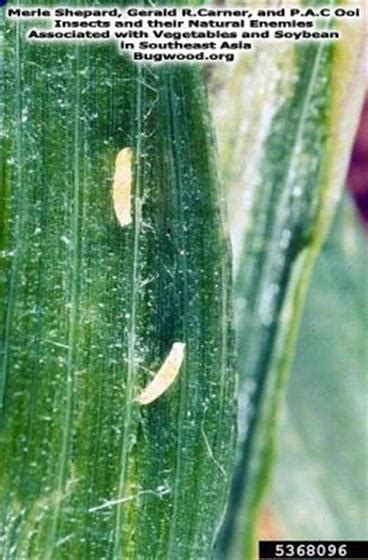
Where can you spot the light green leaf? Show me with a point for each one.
(320, 487)
(284, 161)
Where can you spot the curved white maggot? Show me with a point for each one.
(165, 376)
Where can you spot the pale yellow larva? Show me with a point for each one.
(165, 376)
(122, 186)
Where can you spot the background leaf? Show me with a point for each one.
(320, 488)
(284, 161)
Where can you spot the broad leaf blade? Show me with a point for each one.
(92, 309)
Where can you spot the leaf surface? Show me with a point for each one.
(323, 451)
(91, 309)
(285, 142)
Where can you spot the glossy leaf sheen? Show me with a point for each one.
(284, 163)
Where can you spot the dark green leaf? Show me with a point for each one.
(90, 309)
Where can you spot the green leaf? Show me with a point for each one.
(91, 309)
(323, 448)
(285, 161)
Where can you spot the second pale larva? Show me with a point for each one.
(165, 376)
(122, 186)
